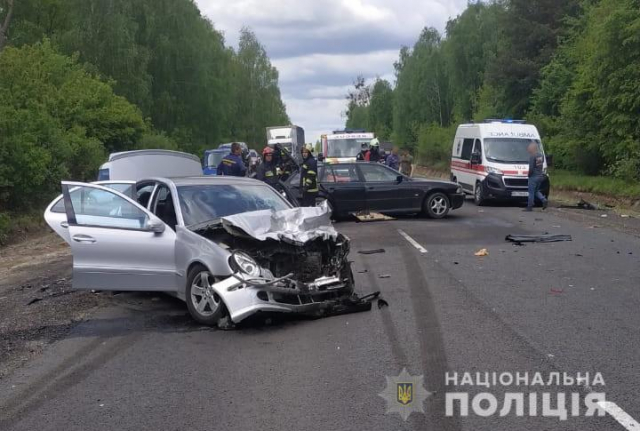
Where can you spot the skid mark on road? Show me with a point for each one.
(63, 377)
(434, 360)
(387, 323)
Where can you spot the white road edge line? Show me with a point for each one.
(412, 241)
(620, 415)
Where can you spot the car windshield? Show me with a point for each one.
(214, 159)
(344, 147)
(203, 203)
(508, 150)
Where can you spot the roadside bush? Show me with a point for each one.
(4, 227)
(157, 141)
(434, 144)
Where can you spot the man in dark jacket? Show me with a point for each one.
(232, 164)
(393, 160)
(536, 176)
(267, 171)
(308, 177)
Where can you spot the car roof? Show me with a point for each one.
(209, 180)
(142, 153)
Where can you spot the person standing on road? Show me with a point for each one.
(233, 164)
(406, 163)
(374, 152)
(363, 155)
(308, 177)
(393, 160)
(536, 176)
(267, 171)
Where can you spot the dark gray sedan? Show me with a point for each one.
(363, 186)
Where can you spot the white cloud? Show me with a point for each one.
(320, 46)
(311, 68)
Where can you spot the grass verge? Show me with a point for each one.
(612, 187)
(16, 227)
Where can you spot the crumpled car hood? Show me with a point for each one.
(294, 225)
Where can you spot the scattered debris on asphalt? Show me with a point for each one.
(384, 276)
(34, 300)
(578, 255)
(382, 303)
(625, 215)
(556, 291)
(363, 271)
(376, 251)
(482, 252)
(582, 205)
(604, 216)
(537, 238)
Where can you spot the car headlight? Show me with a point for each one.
(246, 263)
(491, 170)
(459, 190)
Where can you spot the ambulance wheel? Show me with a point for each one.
(436, 205)
(478, 194)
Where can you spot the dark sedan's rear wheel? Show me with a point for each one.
(436, 205)
(204, 305)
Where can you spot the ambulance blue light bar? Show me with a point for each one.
(504, 120)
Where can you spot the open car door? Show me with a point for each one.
(116, 243)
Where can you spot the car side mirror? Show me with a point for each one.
(549, 158)
(476, 158)
(400, 178)
(320, 157)
(154, 225)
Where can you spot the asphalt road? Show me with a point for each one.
(549, 308)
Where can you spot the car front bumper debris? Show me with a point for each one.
(244, 296)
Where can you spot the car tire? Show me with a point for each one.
(436, 205)
(478, 195)
(205, 306)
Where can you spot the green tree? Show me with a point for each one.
(257, 103)
(380, 110)
(529, 34)
(56, 121)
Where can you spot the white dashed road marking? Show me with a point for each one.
(412, 241)
(620, 415)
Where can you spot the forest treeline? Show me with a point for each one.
(572, 67)
(82, 78)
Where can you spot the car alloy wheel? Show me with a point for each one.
(437, 205)
(203, 302)
(203, 298)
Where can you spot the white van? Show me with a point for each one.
(139, 164)
(490, 160)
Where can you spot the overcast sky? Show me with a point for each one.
(320, 46)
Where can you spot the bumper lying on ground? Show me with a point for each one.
(245, 296)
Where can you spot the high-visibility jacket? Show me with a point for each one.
(309, 175)
(268, 172)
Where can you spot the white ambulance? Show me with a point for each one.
(490, 160)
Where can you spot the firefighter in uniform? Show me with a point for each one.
(232, 164)
(267, 171)
(308, 177)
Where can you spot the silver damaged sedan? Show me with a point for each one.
(229, 247)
